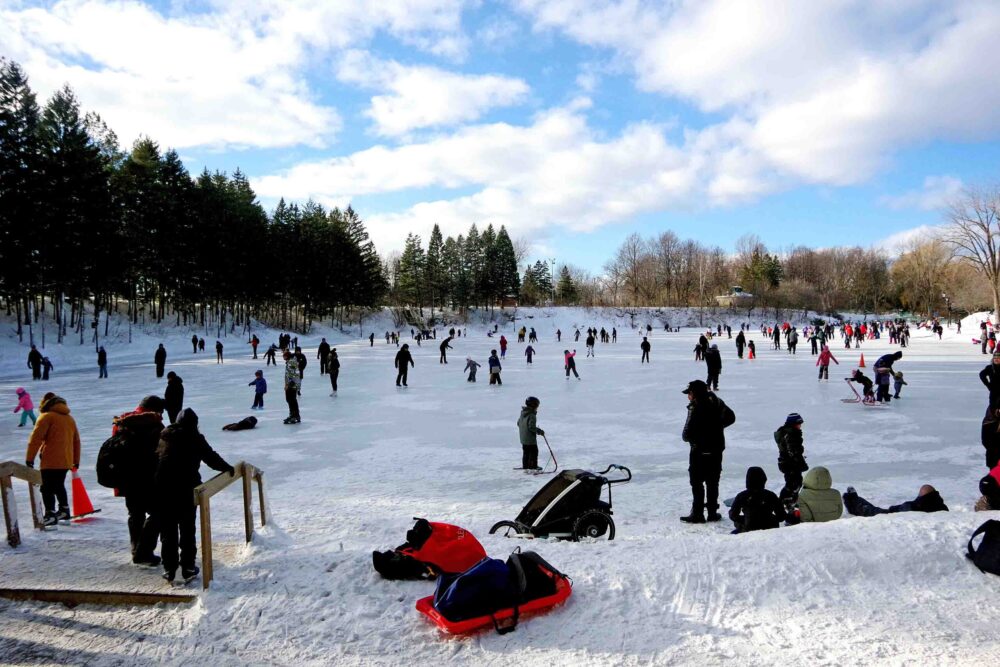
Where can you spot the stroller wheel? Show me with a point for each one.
(507, 529)
(593, 525)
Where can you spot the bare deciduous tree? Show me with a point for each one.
(973, 233)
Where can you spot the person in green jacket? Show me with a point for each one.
(529, 432)
(818, 501)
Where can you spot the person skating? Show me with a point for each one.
(576, 336)
(471, 366)
(529, 352)
(218, 351)
(259, 385)
(25, 406)
(614, 335)
(102, 363)
(791, 457)
(756, 508)
(254, 343)
(704, 430)
(301, 360)
(713, 363)
(333, 368)
(752, 350)
(793, 340)
(558, 335)
(292, 385)
(494, 368)
(569, 363)
(527, 428)
(160, 359)
(323, 354)
(868, 396)
(371, 340)
(403, 357)
(503, 347)
(201, 344)
(194, 344)
(927, 500)
(898, 383)
(56, 437)
(444, 347)
(532, 336)
(35, 363)
(883, 374)
(818, 501)
(590, 345)
(645, 347)
(823, 361)
(269, 356)
(46, 368)
(699, 349)
(741, 342)
(141, 431)
(173, 396)
(181, 451)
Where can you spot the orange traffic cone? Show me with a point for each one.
(81, 501)
(861, 364)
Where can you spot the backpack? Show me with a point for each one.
(114, 462)
(430, 549)
(987, 556)
(492, 585)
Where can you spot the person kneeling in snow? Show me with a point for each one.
(927, 500)
(756, 508)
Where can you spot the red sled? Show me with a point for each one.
(564, 588)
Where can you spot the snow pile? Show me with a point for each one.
(349, 479)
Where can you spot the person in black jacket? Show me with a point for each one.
(713, 362)
(791, 456)
(403, 357)
(928, 500)
(756, 508)
(333, 368)
(35, 363)
(990, 436)
(141, 430)
(444, 347)
(218, 352)
(173, 397)
(102, 363)
(699, 349)
(990, 377)
(181, 451)
(301, 359)
(323, 354)
(194, 344)
(160, 359)
(741, 342)
(645, 347)
(707, 418)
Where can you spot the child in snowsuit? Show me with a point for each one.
(791, 457)
(569, 363)
(823, 361)
(756, 508)
(244, 424)
(495, 368)
(862, 379)
(753, 350)
(898, 383)
(527, 427)
(46, 367)
(24, 406)
(472, 367)
(259, 385)
(529, 352)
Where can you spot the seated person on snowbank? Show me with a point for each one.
(989, 486)
(817, 501)
(756, 508)
(928, 500)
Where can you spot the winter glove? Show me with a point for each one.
(30, 464)
(232, 471)
(539, 431)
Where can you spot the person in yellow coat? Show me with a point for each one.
(57, 439)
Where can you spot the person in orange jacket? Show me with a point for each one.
(57, 439)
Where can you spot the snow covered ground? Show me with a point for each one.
(349, 479)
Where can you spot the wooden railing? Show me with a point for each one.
(11, 470)
(248, 474)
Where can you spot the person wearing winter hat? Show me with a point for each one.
(24, 406)
(818, 501)
(57, 439)
(713, 362)
(259, 385)
(791, 457)
(707, 418)
(527, 427)
(989, 486)
(756, 508)
(181, 451)
(472, 367)
(141, 432)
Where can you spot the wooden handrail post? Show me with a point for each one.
(259, 475)
(10, 511)
(206, 542)
(36, 515)
(8, 471)
(246, 471)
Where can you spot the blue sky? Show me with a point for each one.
(572, 122)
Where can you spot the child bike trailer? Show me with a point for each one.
(569, 507)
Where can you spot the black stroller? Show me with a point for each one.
(569, 506)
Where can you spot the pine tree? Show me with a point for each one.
(567, 289)
(508, 282)
(433, 267)
(411, 272)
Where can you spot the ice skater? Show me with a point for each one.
(259, 385)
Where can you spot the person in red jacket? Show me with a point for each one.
(823, 361)
(569, 363)
(503, 346)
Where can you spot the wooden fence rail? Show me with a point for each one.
(10, 470)
(246, 472)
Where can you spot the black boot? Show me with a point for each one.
(696, 516)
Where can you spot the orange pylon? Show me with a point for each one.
(861, 364)
(81, 501)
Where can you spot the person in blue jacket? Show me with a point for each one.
(259, 385)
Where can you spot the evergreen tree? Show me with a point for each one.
(411, 272)
(433, 267)
(508, 282)
(567, 292)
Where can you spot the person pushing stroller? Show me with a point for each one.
(528, 431)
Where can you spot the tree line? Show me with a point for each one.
(82, 221)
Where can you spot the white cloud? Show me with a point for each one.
(934, 195)
(900, 242)
(233, 76)
(419, 96)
